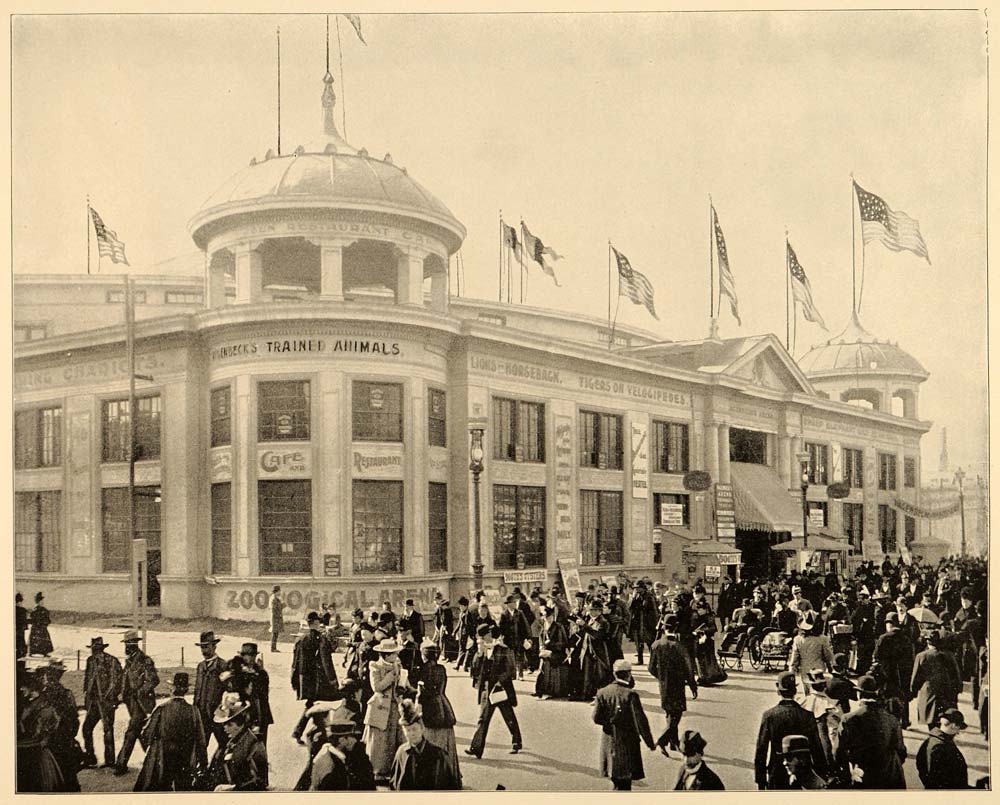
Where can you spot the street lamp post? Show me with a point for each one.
(476, 467)
(803, 458)
(960, 476)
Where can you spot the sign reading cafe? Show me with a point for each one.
(295, 462)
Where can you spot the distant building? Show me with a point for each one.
(308, 415)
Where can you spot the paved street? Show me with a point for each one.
(559, 737)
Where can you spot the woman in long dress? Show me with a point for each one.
(382, 735)
(438, 714)
(39, 641)
(553, 679)
(703, 624)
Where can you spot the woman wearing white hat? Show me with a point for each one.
(382, 735)
(241, 764)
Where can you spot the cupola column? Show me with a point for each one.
(439, 292)
(215, 283)
(410, 277)
(331, 280)
(249, 272)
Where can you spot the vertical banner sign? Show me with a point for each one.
(569, 570)
(725, 512)
(640, 459)
(564, 484)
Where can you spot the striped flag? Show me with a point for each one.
(633, 284)
(727, 284)
(537, 251)
(108, 244)
(896, 230)
(355, 20)
(510, 240)
(801, 290)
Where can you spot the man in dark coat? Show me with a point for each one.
(515, 630)
(893, 667)
(62, 743)
(342, 763)
(261, 717)
(495, 678)
(865, 630)
(796, 756)
(313, 674)
(871, 742)
(695, 775)
(413, 619)
(642, 618)
(936, 681)
(139, 695)
(785, 718)
(468, 622)
(102, 687)
(208, 687)
(671, 667)
(444, 625)
(940, 764)
(20, 625)
(619, 713)
(419, 765)
(409, 654)
(175, 741)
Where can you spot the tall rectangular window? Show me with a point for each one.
(437, 421)
(887, 471)
(670, 447)
(222, 417)
(600, 440)
(437, 527)
(909, 529)
(116, 551)
(377, 511)
(887, 527)
(909, 472)
(115, 429)
(854, 467)
(518, 430)
(222, 529)
(818, 463)
(38, 438)
(284, 514)
(283, 410)
(378, 412)
(601, 533)
(38, 532)
(854, 523)
(518, 526)
(671, 510)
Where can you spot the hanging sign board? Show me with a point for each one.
(569, 570)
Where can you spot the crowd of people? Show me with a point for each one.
(859, 651)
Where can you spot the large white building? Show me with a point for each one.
(305, 407)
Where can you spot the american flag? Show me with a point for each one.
(801, 290)
(108, 244)
(355, 20)
(896, 230)
(537, 251)
(727, 284)
(633, 284)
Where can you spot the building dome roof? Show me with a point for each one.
(327, 173)
(856, 351)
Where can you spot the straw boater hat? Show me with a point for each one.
(229, 708)
(387, 646)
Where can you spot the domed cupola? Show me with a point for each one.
(856, 367)
(324, 220)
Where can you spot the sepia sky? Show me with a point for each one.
(587, 126)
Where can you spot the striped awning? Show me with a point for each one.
(762, 502)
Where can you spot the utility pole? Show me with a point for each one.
(960, 476)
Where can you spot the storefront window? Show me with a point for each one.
(437, 524)
(600, 440)
(670, 447)
(437, 425)
(115, 432)
(221, 417)
(284, 514)
(378, 526)
(116, 550)
(283, 411)
(854, 523)
(747, 446)
(518, 430)
(38, 438)
(518, 526)
(886, 471)
(222, 529)
(38, 532)
(671, 509)
(601, 533)
(818, 463)
(854, 467)
(378, 412)
(887, 527)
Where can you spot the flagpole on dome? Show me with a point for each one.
(713, 323)
(854, 254)
(500, 263)
(618, 301)
(88, 234)
(609, 295)
(788, 282)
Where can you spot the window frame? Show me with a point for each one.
(32, 457)
(888, 470)
(300, 561)
(44, 537)
(818, 473)
(437, 527)
(821, 505)
(662, 440)
(379, 432)
(145, 518)
(854, 468)
(684, 501)
(267, 421)
(116, 297)
(524, 497)
(887, 518)
(909, 472)
(437, 424)
(595, 523)
(28, 330)
(221, 558)
(519, 448)
(599, 434)
(189, 297)
(226, 439)
(378, 561)
(115, 451)
(909, 529)
(848, 520)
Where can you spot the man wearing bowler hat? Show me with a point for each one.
(670, 665)
(695, 775)
(871, 741)
(208, 687)
(785, 718)
(893, 667)
(175, 743)
(260, 690)
(102, 686)
(796, 756)
(138, 693)
(940, 763)
(278, 605)
(494, 680)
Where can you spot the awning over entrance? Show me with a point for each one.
(711, 547)
(762, 502)
(815, 543)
